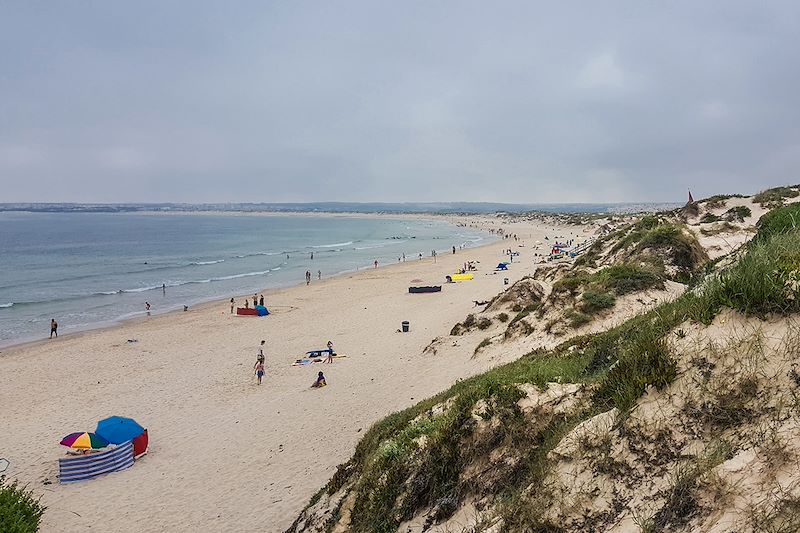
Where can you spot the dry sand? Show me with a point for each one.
(226, 454)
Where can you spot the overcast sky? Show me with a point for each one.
(198, 101)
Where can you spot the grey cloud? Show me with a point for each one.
(395, 101)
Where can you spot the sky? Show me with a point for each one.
(526, 102)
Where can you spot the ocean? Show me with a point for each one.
(89, 270)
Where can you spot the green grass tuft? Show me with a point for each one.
(777, 221)
(20, 511)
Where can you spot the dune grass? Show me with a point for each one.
(777, 221)
(775, 197)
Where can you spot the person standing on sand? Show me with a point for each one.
(147, 307)
(53, 328)
(454, 250)
(376, 263)
(261, 300)
(329, 359)
(233, 303)
(255, 299)
(308, 277)
(319, 274)
(260, 356)
(164, 289)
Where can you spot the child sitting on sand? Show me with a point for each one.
(260, 370)
(320, 381)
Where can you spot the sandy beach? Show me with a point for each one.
(225, 453)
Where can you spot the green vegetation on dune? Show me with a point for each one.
(414, 460)
(600, 289)
(783, 220)
(776, 196)
(20, 511)
(737, 214)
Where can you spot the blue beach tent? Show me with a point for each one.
(262, 311)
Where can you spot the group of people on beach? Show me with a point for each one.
(258, 367)
(309, 276)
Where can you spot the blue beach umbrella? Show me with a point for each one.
(118, 429)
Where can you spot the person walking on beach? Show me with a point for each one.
(308, 277)
(312, 256)
(376, 263)
(319, 274)
(454, 250)
(259, 371)
(53, 328)
(164, 289)
(233, 303)
(147, 307)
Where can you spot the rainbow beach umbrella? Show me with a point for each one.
(84, 441)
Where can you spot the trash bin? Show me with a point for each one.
(505, 281)
(405, 326)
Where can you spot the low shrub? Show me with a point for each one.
(484, 323)
(20, 510)
(576, 319)
(502, 317)
(708, 218)
(716, 202)
(470, 321)
(737, 214)
(572, 282)
(627, 277)
(725, 227)
(592, 302)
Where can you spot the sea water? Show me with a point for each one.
(92, 269)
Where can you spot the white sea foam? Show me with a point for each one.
(208, 262)
(9, 304)
(334, 245)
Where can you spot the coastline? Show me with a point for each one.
(222, 446)
(10, 345)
